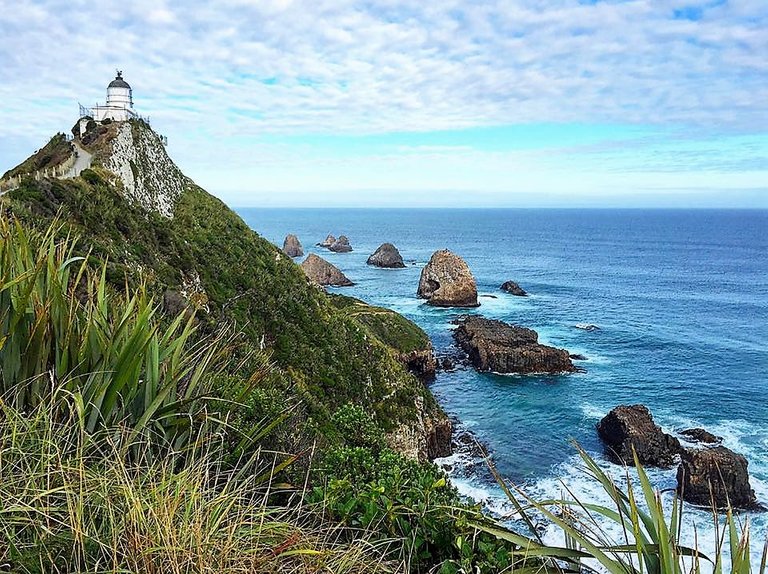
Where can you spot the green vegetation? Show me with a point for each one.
(64, 330)
(55, 152)
(150, 438)
(384, 324)
(73, 504)
(326, 356)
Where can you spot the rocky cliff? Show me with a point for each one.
(136, 210)
(148, 175)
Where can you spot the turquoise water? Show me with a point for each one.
(681, 299)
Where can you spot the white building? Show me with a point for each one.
(119, 106)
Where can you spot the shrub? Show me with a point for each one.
(412, 502)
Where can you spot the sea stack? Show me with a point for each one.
(502, 348)
(324, 273)
(341, 245)
(327, 242)
(386, 256)
(446, 281)
(716, 476)
(292, 246)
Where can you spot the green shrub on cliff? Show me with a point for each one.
(328, 358)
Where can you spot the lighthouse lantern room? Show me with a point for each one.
(119, 106)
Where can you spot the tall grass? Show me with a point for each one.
(108, 459)
(63, 330)
(74, 504)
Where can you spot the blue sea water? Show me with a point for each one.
(680, 296)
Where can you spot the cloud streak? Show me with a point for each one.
(236, 70)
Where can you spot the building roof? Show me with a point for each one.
(119, 82)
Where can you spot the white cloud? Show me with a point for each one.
(234, 68)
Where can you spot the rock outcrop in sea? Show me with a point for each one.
(324, 273)
(632, 426)
(327, 242)
(502, 348)
(716, 476)
(386, 256)
(446, 281)
(701, 435)
(292, 246)
(513, 289)
(707, 474)
(341, 245)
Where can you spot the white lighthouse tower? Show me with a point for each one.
(119, 106)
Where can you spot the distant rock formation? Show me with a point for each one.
(341, 245)
(501, 348)
(513, 289)
(716, 475)
(292, 246)
(386, 256)
(701, 435)
(446, 281)
(631, 426)
(324, 273)
(327, 242)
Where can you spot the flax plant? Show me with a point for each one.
(651, 541)
(63, 329)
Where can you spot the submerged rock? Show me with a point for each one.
(324, 273)
(586, 327)
(292, 246)
(631, 426)
(446, 281)
(578, 357)
(327, 242)
(715, 476)
(701, 435)
(513, 289)
(341, 245)
(501, 348)
(386, 256)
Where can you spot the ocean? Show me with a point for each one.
(680, 298)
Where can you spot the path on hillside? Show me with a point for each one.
(82, 161)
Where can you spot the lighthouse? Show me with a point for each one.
(119, 106)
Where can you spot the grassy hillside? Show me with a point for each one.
(206, 257)
(55, 152)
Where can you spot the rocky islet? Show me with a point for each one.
(499, 347)
(324, 273)
(386, 256)
(708, 475)
(292, 246)
(446, 281)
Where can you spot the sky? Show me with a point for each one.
(387, 103)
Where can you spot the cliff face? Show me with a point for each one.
(149, 176)
(135, 209)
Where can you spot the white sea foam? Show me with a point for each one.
(569, 480)
(591, 411)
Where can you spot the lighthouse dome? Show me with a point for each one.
(119, 82)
